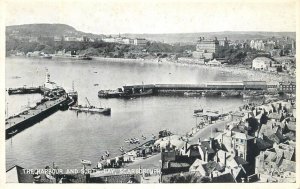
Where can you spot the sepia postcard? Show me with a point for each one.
(143, 92)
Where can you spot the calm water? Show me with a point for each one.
(67, 137)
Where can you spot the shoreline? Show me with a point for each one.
(269, 77)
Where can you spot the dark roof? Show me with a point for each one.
(194, 150)
(263, 144)
(290, 136)
(276, 137)
(292, 126)
(205, 146)
(225, 178)
(240, 161)
(212, 166)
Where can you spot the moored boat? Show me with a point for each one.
(91, 109)
(200, 110)
(86, 162)
(84, 57)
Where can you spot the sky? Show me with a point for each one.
(152, 16)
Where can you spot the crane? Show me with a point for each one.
(88, 101)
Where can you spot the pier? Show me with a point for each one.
(55, 98)
(16, 123)
(223, 88)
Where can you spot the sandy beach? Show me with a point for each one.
(270, 78)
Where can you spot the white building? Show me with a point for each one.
(109, 40)
(140, 41)
(261, 63)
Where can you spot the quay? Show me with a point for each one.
(16, 123)
(223, 88)
(54, 98)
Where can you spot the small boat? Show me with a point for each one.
(212, 111)
(153, 136)
(96, 84)
(127, 140)
(134, 141)
(121, 149)
(86, 162)
(16, 77)
(46, 56)
(198, 111)
(84, 57)
(95, 72)
(144, 138)
(107, 153)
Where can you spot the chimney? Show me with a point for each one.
(225, 159)
(168, 164)
(211, 140)
(185, 146)
(199, 140)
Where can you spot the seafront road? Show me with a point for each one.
(204, 133)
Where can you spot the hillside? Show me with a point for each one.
(46, 30)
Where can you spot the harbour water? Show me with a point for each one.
(66, 137)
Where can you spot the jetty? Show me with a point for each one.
(31, 115)
(54, 98)
(222, 88)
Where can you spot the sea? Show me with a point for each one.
(67, 137)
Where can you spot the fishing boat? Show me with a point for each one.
(144, 138)
(91, 109)
(86, 162)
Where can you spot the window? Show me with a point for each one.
(242, 141)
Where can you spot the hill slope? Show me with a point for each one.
(49, 30)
